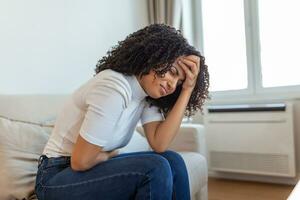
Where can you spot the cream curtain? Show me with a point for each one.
(166, 11)
(176, 13)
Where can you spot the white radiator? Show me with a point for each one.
(252, 139)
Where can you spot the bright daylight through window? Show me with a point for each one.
(224, 44)
(270, 40)
(280, 42)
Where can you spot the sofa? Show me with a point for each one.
(26, 122)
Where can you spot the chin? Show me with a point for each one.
(154, 92)
(155, 95)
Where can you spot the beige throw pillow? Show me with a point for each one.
(21, 144)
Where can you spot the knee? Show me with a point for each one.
(159, 166)
(160, 162)
(173, 157)
(159, 176)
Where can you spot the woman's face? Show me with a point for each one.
(156, 86)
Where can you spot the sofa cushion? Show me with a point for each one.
(197, 170)
(21, 144)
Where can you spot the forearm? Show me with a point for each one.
(168, 129)
(85, 164)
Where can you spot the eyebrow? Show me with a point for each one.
(177, 72)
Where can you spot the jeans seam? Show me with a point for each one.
(93, 180)
(150, 190)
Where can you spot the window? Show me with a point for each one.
(279, 41)
(252, 46)
(225, 44)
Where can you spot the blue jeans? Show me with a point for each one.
(139, 175)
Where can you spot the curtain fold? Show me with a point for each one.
(176, 13)
(166, 11)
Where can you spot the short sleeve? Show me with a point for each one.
(151, 114)
(105, 102)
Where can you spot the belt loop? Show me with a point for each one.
(41, 158)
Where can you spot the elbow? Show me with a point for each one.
(160, 149)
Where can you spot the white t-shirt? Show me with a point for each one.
(104, 111)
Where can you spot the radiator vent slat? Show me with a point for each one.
(244, 121)
(249, 162)
(271, 107)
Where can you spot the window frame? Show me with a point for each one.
(255, 89)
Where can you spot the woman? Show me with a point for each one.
(154, 76)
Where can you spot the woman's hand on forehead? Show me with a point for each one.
(191, 67)
(192, 62)
(193, 58)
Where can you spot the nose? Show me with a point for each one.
(171, 84)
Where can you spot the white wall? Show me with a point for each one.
(52, 46)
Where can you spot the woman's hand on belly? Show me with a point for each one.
(113, 153)
(86, 155)
(105, 155)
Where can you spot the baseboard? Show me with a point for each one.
(257, 178)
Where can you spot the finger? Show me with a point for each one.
(186, 69)
(193, 58)
(114, 153)
(198, 63)
(193, 66)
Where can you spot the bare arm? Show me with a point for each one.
(166, 131)
(86, 155)
(161, 134)
(99, 122)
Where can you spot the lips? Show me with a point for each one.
(163, 90)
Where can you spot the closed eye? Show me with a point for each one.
(174, 71)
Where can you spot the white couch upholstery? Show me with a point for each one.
(42, 110)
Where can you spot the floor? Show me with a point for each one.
(222, 189)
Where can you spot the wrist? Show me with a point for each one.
(113, 153)
(187, 90)
(186, 94)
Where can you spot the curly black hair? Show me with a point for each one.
(156, 47)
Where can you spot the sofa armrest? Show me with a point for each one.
(191, 137)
